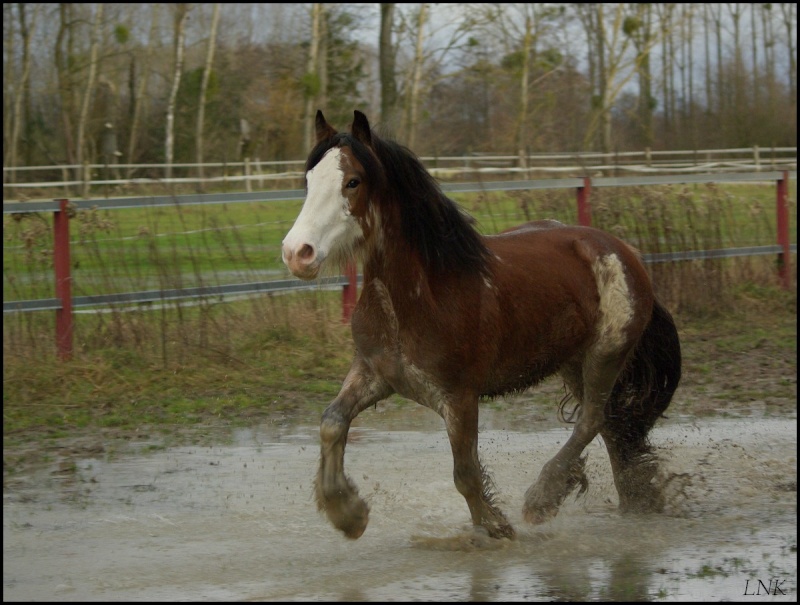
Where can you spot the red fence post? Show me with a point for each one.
(349, 292)
(584, 204)
(63, 280)
(782, 212)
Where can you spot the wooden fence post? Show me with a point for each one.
(584, 204)
(782, 213)
(61, 263)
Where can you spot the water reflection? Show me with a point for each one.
(237, 522)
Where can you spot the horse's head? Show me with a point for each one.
(331, 225)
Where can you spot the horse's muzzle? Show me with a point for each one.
(303, 262)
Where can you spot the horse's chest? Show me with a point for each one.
(375, 328)
(389, 353)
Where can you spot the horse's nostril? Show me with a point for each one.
(306, 252)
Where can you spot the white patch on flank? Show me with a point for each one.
(616, 307)
(325, 221)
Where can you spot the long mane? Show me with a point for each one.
(430, 222)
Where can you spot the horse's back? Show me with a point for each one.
(551, 286)
(542, 243)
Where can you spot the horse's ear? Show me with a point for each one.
(361, 129)
(324, 130)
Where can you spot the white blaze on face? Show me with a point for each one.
(324, 227)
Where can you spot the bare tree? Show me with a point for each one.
(21, 90)
(201, 109)
(386, 58)
(638, 27)
(181, 11)
(789, 14)
(139, 89)
(754, 51)
(89, 89)
(707, 46)
(64, 74)
(412, 109)
(312, 82)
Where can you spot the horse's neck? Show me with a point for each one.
(402, 274)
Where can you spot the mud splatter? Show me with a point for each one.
(238, 522)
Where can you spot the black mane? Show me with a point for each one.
(431, 223)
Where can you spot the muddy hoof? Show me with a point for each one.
(641, 490)
(498, 531)
(349, 514)
(536, 515)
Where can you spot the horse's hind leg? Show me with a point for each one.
(470, 478)
(592, 382)
(635, 467)
(633, 462)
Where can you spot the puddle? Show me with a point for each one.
(238, 522)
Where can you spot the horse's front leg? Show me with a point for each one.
(335, 492)
(471, 479)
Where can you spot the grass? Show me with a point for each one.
(287, 355)
(212, 363)
(150, 248)
(190, 365)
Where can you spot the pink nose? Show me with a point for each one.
(301, 261)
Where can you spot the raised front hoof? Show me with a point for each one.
(348, 514)
(544, 498)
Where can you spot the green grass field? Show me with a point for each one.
(150, 248)
(196, 363)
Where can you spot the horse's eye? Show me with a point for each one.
(353, 183)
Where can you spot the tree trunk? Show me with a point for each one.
(605, 109)
(25, 82)
(787, 11)
(20, 87)
(642, 37)
(141, 88)
(87, 95)
(64, 75)
(386, 66)
(312, 75)
(690, 98)
(754, 50)
(181, 12)
(9, 75)
(707, 42)
(522, 118)
(201, 109)
(416, 78)
(322, 60)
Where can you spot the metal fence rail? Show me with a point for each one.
(284, 285)
(64, 302)
(117, 203)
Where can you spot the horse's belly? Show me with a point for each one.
(519, 376)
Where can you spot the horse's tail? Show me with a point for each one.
(645, 387)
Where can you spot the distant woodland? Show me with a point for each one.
(175, 83)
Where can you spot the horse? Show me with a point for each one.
(448, 317)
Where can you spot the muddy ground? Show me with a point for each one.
(220, 513)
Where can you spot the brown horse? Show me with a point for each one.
(447, 316)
